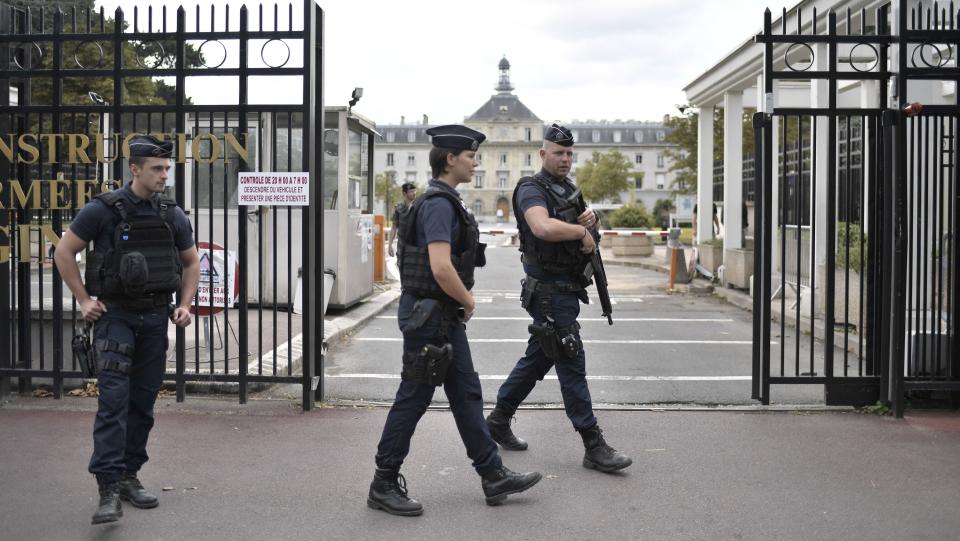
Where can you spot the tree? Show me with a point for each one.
(632, 216)
(385, 189)
(683, 156)
(661, 212)
(136, 90)
(604, 176)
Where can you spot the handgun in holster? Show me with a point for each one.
(433, 362)
(83, 351)
(547, 335)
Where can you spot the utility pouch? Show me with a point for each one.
(84, 353)
(429, 365)
(528, 287)
(133, 274)
(419, 315)
(570, 342)
(480, 256)
(546, 334)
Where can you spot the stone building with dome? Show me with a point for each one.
(511, 151)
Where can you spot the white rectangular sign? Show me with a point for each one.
(274, 189)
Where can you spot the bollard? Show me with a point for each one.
(379, 257)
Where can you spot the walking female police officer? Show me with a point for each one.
(143, 253)
(439, 249)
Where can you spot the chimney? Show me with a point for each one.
(403, 120)
(425, 120)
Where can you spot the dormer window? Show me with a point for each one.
(617, 136)
(504, 109)
(411, 136)
(661, 136)
(391, 136)
(638, 136)
(596, 136)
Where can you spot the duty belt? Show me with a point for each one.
(143, 303)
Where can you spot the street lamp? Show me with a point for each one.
(356, 95)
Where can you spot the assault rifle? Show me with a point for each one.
(594, 270)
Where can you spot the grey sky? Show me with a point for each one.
(570, 59)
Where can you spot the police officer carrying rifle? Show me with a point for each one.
(557, 241)
(409, 194)
(143, 253)
(439, 250)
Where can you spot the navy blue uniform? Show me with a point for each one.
(534, 365)
(125, 409)
(438, 221)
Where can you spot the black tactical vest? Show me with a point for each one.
(414, 261)
(144, 260)
(562, 257)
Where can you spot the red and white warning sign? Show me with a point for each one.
(219, 284)
(273, 189)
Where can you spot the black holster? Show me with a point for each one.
(427, 366)
(84, 353)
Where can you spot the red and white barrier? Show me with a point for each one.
(603, 232)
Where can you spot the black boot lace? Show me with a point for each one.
(401, 484)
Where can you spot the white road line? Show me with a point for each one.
(602, 319)
(501, 377)
(524, 340)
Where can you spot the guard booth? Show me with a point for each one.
(348, 228)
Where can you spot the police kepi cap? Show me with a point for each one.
(456, 137)
(150, 147)
(559, 135)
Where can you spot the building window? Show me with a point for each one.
(661, 136)
(391, 136)
(596, 136)
(389, 159)
(411, 159)
(660, 160)
(638, 182)
(528, 160)
(503, 158)
(478, 180)
(411, 177)
(661, 180)
(638, 136)
(638, 158)
(479, 157)
(477, 207)
(576, 135)
(616, 136)
(575, 157)
(504, 179)
(526, 173)
(528, 134)
(411, 136)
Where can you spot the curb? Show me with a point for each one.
(335, 328)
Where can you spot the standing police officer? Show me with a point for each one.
(143, 253)
(557, 242)
(439, 249)
(409, 194)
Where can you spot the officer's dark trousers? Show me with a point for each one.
(125, 410)
(462, 386)
(534, 365)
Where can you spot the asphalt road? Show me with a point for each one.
(662, 348)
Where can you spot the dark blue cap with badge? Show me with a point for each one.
(148, 146)
(456, 137)
(559, 135)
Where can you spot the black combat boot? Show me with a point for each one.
(388, 491)
(502, 482)
(499, 424)
(109, 509)
(131, 490)
(600, 456)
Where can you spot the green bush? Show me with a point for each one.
(857, 257)
(631, 216)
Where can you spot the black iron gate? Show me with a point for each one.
(80, 82)
(858, 207)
